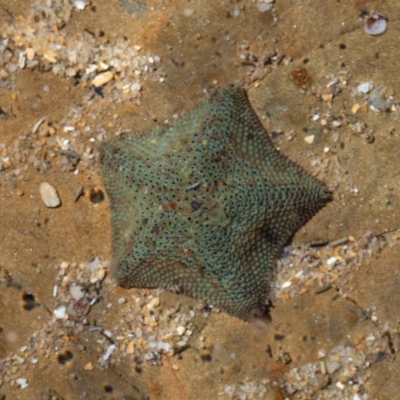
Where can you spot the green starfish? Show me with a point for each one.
(206, 205)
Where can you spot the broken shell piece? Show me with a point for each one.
(264, 6)
(60, 312)
(80, 4)
(380, 100)
(49, 195)
(375, 25)
(365, 87)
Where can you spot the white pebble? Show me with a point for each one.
(332, 366)
(135, 87)
(164, 346)
(49, 195)
(263, 7)
(365, 87)
(80, 4)
(286, 284)
(181, 330)
(122, 300)
(76, 291)
(22, 62)
(340, 385)
(60, 312)
(299, 273)
(331, 261)
(22, 382)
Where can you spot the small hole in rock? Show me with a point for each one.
(108, 388)
(65, 356)
(28, 301)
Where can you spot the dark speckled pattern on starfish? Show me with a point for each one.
(206, 205)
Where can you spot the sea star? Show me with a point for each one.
(206, 205)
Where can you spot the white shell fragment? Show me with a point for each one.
(80, 4)
(365, 87)
(76, 291)
(49, 195)
(22, 383)
(60, 312)
(375, 25)
(109, 351)
(263, 6)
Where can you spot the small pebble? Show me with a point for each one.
(355, 108)
(89, 366)
(365, 87)
(76, 291)
(30, 53)
(316, 117)
(131, 347)
(80, 4)
(286, 284)
(321, 353)
(331, 261)
(180, 330)
(153, 303)
(263, 7)
(22, 382)
(122, 300)
(309, 139)
(49, 195)
(332, 366)
(340, 385)
(60, 312)
(102, 79)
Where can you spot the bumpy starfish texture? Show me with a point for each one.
(206, 205)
